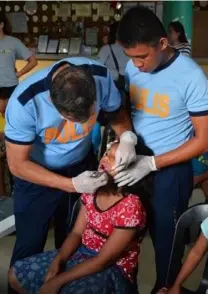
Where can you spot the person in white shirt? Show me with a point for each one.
(177, 38)
(113, 57)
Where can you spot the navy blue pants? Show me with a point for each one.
(171, 192)
(34, 207)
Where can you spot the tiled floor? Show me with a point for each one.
(146, 269)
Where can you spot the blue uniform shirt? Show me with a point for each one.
(164, 101)
(31, 118)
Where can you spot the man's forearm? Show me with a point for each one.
(188, 267)
(37, 174)
(120, 122)
(183, 153)
(86, 268)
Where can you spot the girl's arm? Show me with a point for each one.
(74, 239)
(31, 63)
(111, 251)
(193, 259)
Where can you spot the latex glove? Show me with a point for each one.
(125, 153)
(85, 183)
(138, 170)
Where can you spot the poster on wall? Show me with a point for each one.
(63, 10)
(18, 21)
(104, 9)
(83, 10)
(91, 36)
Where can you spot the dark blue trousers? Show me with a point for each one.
(171, 192)
(34, 207)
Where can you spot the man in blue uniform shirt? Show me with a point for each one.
(49, 121)
(169, 103)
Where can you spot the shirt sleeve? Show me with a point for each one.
(20, 124)
(130, 214)
(103, 54)
(21, 51)
(196, 96)
(204, 227)
(112, 98)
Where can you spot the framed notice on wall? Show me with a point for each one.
(63, 46)
(75, 46)
(42, 43)
(52, 46)
(83, 10)
(91, 36)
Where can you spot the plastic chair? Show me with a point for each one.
(190, 218)
(75, 212)
(7, 221)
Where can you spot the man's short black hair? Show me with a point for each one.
(73, 92)
(140, 25)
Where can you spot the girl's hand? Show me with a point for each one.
(53, 270)
(50, 287)
(174, 290)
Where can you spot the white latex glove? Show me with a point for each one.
(85, 183)
(138, 170)
(125, 153)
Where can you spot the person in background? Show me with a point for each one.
(193, 259)
(101, 253)
(11, 49)
(169, 103)
(177, 38)
(113, 57)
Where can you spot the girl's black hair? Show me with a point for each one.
(7, 27)
(140, 25)
(178, 28)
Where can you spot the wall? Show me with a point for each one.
(200, 28)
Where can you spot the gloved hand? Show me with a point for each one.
(85, 183)
(125, 153)
(138, 170)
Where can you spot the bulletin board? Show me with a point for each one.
(47, 22)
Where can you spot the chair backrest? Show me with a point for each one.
(75, 212)
(192, 217)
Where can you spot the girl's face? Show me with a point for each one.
(108, 160)
(172, 36)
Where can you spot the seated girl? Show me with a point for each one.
(100, 255)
